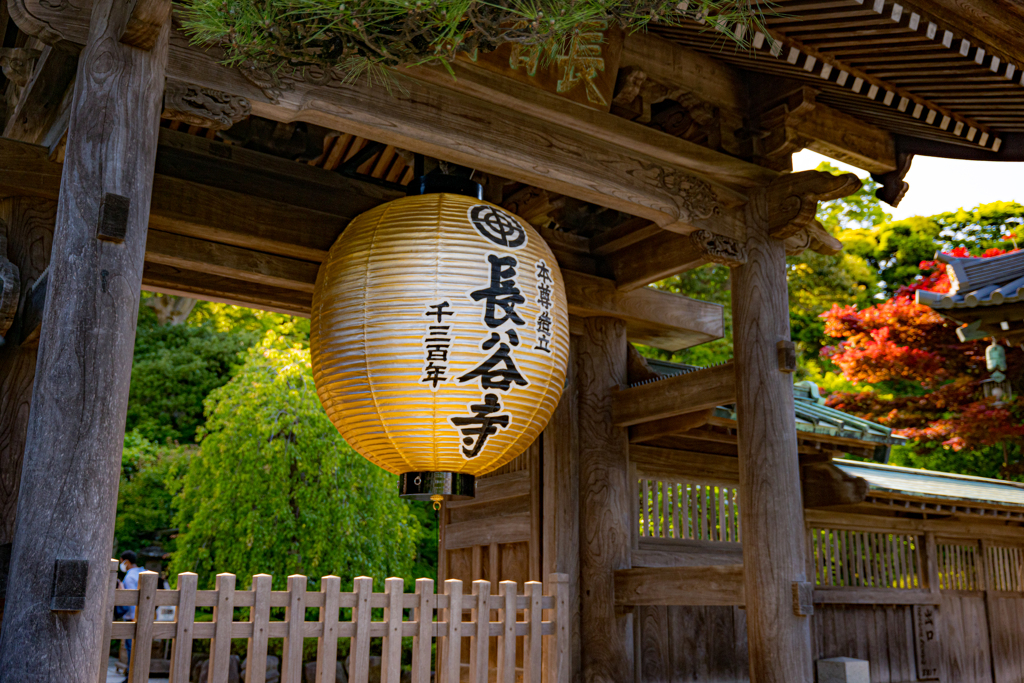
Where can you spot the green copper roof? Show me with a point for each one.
(928, 484)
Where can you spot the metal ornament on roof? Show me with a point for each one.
(997, 386)
(439, 338)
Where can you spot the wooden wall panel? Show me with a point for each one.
(1006, 626)
(881, 634)
(699, 644)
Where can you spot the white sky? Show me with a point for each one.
(938, 185)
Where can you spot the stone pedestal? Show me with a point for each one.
(843, 670)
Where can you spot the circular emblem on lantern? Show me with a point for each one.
(439, 338)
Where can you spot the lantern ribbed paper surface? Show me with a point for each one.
(439, 335)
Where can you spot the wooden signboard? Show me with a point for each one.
(926, 642)
(584, 72)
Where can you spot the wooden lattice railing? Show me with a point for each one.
(844, 558)
(543, 640)
(681, 510)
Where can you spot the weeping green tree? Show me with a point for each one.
(275, 489)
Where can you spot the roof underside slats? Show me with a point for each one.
(932, 71)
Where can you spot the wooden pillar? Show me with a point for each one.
(606, 635)
(72, 459)
(561, 506)
(29, 223)
(771, 509)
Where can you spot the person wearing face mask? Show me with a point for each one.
(129, 565)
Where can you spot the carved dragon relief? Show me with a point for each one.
(719, 248)
(694, 197)
(203, 107)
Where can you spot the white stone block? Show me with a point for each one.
(843, 670)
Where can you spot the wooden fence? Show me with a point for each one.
(683, 510)
(542, 640)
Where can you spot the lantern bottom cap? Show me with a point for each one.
(424, 485)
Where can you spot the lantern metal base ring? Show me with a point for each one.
(425, 485)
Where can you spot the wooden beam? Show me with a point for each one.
(774, 537)
(506, 529)
(606, 525)
(845, 138)
(44, 98)
(660, 256)
(146, 20)
(182, 282)
(653, 552)
(654, 318)
(75, 438)
(673, 65)
(712, 585)
(676, 395)
(677, 424)
(671, 464)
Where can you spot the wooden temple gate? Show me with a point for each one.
(683, 162)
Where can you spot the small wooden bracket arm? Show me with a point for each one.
(803, 598)
(793, 199)
(145, 23)
(893, 187)
(787, 356)
(717, 248)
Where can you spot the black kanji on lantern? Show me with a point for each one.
(436, 344)
(498, 226)
(481, 425)
(544, 285)
(502, 293)
(499, 371)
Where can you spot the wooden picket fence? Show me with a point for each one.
(545, 654)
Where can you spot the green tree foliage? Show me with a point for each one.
(895, 249)
(145, 515)
(276, 489)
(709, 283)
(174, 368)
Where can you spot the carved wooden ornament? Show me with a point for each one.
(203, 107)
(719, 248)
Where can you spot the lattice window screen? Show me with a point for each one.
(958, 566)
(1005, 568)
(846, 558)
(675, 510)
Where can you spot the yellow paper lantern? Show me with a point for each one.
(439, 339)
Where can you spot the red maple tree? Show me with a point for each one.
(927, 383)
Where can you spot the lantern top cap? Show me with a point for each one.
(436, 183)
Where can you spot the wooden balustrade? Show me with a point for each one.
(448, 628)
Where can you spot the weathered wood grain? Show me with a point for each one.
(605, 524)
(662, 255)
(675, 465)
(29, 225)
(75, 436)
(561, 537)
(677, 395)
(770, 504)
(709, 585)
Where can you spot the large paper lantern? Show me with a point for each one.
(439, 339)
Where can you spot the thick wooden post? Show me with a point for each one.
(562, 513)
(72, 456)
(606, 635)
(771, 510)
(29, 223)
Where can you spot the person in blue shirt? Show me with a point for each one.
(131, 569)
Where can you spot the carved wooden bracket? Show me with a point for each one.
(204, 107)
(18, 63)
(893, 186)
(719, 248)
(792, 201)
